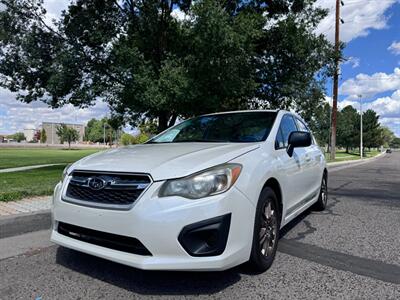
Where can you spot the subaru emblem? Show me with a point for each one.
(97, 183)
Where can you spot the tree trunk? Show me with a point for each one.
(69, 145)
(172, 120)
(162, 121)
(347, 149)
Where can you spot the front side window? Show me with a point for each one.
(301, 125)
(243, 127)
(287, 126)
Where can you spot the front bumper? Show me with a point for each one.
(157, 223)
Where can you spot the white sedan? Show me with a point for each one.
(207, 194)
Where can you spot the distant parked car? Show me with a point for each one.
(207, 194)
(388, 150)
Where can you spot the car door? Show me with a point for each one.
(312, 169)
(291, 168)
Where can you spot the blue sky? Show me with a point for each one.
(372, 69)
(371, 31)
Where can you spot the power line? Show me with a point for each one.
(372, 79)
(369, 2)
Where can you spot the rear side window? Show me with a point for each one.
(287, 126)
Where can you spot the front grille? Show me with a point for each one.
(103, 239)
(107, 190)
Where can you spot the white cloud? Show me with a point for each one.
(328, 100)
(393, 124)
(54, 9)
(353, 61)
(359, 18)
(370, 85)
(16, 116)
(179, 14)
(386, 107)
(395, 48)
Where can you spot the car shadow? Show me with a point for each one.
(158, 282)
(147, 282)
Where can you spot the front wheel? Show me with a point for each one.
(266, 231)
(323, 195)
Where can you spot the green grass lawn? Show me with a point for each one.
(343, 156)
(38, 182)
(16, 157)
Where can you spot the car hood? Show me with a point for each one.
(164, 161)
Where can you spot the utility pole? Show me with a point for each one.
(361, 128)
(104, 133)
(335, 81)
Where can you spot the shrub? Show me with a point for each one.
(127, 139)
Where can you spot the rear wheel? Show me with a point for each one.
(266, 231)
(323, 195)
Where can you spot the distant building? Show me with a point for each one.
(51, 131)
(29, 134)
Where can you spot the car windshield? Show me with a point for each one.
(244, 127)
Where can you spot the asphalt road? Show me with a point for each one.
(349, 251)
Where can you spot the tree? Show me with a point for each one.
(67, 134)
(141, 138)
(387, 136)
(320, 124)
(99, 130)
(348, 131)
(147, 64)
(372, 136)
(148, 127)
(127, 139)
(18, 137)
(395, 143)
(94, 131)
(37, 135)
(43, 136)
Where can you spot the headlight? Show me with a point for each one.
(65, 172)
(209, 182)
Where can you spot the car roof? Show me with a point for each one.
(242, 111)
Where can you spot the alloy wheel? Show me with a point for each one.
(324, 191)
(268, 230)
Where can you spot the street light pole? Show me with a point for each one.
(361, 127)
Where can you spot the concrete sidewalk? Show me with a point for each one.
(25, 168)
(29, 205)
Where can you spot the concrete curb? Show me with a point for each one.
(351, 163)
(24, 223)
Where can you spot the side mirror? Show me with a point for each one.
(298, 139)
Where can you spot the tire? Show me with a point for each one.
(320, 205)
(267, 220)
